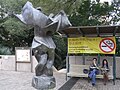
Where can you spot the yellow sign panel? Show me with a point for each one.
(92, 45)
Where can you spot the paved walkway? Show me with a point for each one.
(11, 80)
(82, 84)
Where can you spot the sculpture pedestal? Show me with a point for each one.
(43, 82)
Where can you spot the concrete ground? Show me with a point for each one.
(82, 84)
(12, 80)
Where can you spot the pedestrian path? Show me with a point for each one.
(82, 84)
(69, 84)
(12, 80)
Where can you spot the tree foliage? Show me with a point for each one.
(115, 13)
(91, 13)
(60, 51)
(80, 12)
(12, 32)
(54, 6)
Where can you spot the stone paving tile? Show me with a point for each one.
(83, 84)
(11, 80)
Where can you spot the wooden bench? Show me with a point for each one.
(77, 71)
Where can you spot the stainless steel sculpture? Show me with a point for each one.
(43, 45)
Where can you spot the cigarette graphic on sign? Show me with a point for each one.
(107, 45)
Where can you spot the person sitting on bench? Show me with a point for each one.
(105, 69)
(93, 71)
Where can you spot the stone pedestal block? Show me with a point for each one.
(43, 82)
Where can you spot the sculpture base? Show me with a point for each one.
(43, 82)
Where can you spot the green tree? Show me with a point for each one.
(115, 14)
(91, 13)
(60, 51)
(54, 6)
(15, 34)
(12, 32)
(81, 12)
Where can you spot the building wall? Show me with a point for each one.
(7, 62)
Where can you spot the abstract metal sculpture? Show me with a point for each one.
(43, 45)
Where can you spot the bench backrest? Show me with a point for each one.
(79, 69)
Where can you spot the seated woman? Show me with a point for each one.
(105, 70)
(93, 71)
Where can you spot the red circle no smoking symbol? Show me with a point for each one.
(107, 45)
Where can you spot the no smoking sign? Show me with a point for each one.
(107, 45)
